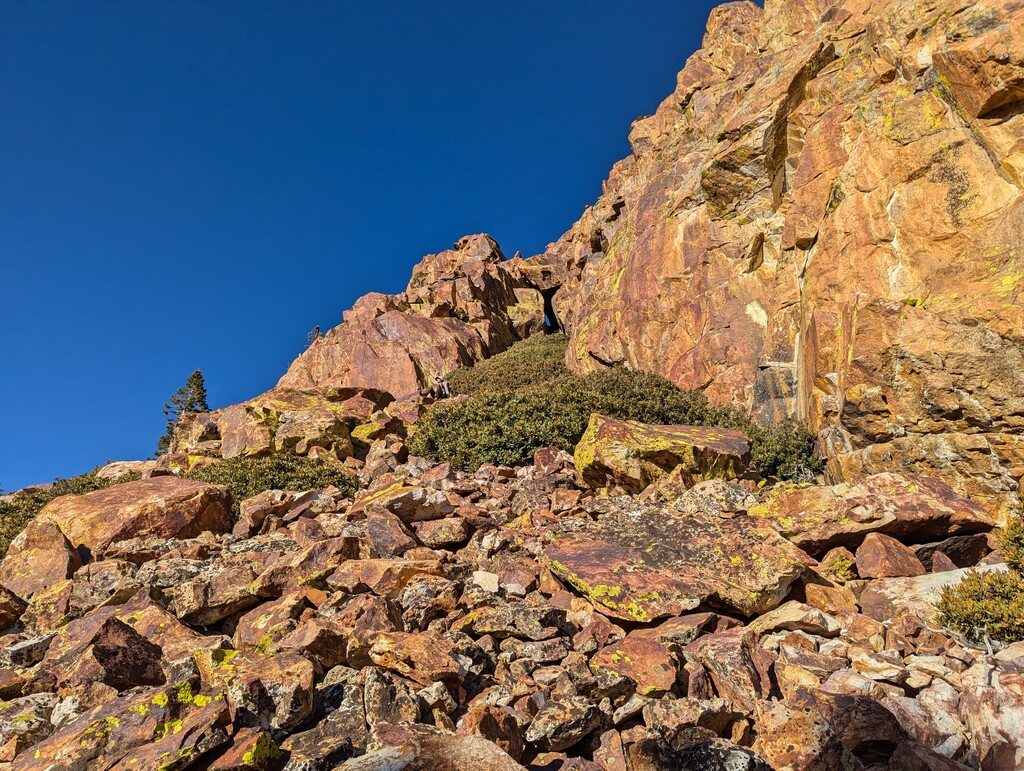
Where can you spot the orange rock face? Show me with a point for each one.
(460, 306)
(823, 220)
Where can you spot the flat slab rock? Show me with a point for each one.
(645, 561)
(818, 518)
(891, 598)
(165, 507)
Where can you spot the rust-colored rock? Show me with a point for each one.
(460, 306)
(642, 562)
(627, 456)
(823, 220)
(818, 518)
(643, 659)
(38, 558)
(165, 507)
(883, 557)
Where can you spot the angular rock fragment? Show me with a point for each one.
(627, 456)
(641, 562)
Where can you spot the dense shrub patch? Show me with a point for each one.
(22, 508)
(990, 602)
(526, 398)
(245, 477)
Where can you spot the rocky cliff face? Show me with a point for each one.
(824, 220)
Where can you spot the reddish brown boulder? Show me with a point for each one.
(460, 306)
(627, 456)
(496, 725)
(39, 557)
(732, 563)
(818, 518)
(883, 557)
(643, 659)
(165, 507)
(138, 730)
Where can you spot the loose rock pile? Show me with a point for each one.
(496, 620)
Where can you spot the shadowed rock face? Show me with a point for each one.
(824, 220)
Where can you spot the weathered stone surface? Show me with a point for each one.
(561, 724)
(895, 597)
(421, 750)
(818, 518)
(166, 507)
(39, 557)
(627, 456)
(799, 739)
(409, 503)
(732, 563)
(461, 305)
(423, 657)
(643, 659)
(883, 557)
(302, 421)
(821, 220)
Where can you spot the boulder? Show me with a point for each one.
(892, 598)
(818, 518)
(641, 562)
(165, 507)
(461, 305)
(883, 557)
(39, 557)
(627, 456)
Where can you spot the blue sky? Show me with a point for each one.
(197, 184)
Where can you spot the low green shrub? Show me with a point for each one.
(21, 508)
(990, 602)
(245, 477)
(526, 398)
(535, 360)
(1011, 544)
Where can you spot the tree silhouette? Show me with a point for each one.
(189, 398)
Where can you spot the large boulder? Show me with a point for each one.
(39, 557)
(283, 420)
(893, 598)
(165, 507)
(818, 518)
(627, 455)
(642, 562)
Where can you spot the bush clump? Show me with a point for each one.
(22, 507)
(991, 602)
(245, 477)
(526, 399)
(531, 362)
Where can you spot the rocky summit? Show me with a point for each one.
(820, 227)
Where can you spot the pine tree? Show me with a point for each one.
(189, 398)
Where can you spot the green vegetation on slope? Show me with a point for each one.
(245, 477)
(526, 398)
(991, 602)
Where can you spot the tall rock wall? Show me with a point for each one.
(825, 220)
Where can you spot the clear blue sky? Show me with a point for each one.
(190, 184)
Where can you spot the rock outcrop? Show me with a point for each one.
(823, 220)
(461, 305)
